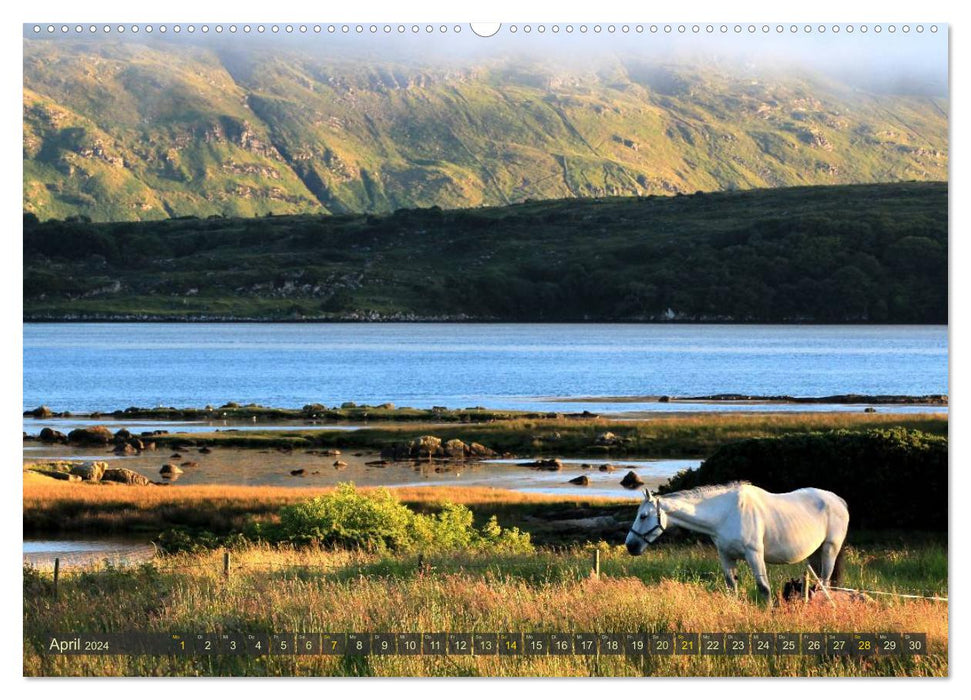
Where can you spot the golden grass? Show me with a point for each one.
(51, 506)
(40, 491)
(270, 592)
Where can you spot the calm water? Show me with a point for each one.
(40, 553)
(85, 367)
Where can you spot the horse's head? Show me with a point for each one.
(648, 525)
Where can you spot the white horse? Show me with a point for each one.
(746, 522)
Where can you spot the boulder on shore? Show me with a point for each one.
(125, 476)
(430, 447)
(95, 435)
(426, 446)
(90, 471)
(60, 476)
(455, 449)
(475, 449)
(50, 435)
(608, 439)
(631, 481)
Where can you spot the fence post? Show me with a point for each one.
(596, 564)
(226, 563)
(57, 573)
(805, 586)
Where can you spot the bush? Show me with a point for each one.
(377, 521)
(890, 479)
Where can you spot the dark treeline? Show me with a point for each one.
(864, 253)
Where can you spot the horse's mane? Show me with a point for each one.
(707, 490)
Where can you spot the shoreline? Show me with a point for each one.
(374, 317)
(747, 399)
(676, 436)
(350, 411)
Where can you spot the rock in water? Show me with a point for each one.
(41, 412)
(50, 435)
(631, 481)
(96, 435)
(125, 476)
(455, 449)
(478, 450)
(426, 446)
(339, 464)
(582, 480)
(204, 450)
(607, 468)
(298, 472)
(90, 471)
(170, 470)
(550, 465)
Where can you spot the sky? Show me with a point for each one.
(881, 61)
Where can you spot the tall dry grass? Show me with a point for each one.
(274, 590)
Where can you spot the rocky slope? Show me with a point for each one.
(127, 130)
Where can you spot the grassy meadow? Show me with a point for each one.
(670, 588)
(545, 587)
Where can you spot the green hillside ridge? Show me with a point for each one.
(131, 130)
(857, 253)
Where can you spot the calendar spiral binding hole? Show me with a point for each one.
(515, 29)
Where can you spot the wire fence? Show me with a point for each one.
(578, 567)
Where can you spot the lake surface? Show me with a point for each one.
(88, 367)
(41, 552)
(252, 467)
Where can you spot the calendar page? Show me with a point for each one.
(530, 349)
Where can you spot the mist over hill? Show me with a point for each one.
(121, 130)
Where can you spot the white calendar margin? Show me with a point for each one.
(507, 11)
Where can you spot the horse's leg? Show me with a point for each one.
(827, 560)
(728, 567)
(756, 561)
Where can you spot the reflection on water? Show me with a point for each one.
(250, 467)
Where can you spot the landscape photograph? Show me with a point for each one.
(424, 350)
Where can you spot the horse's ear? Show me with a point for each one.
(648, 494)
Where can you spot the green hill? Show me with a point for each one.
(860, 253)
(121, 130)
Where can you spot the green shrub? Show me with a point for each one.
(377, 521)
(890, 479)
